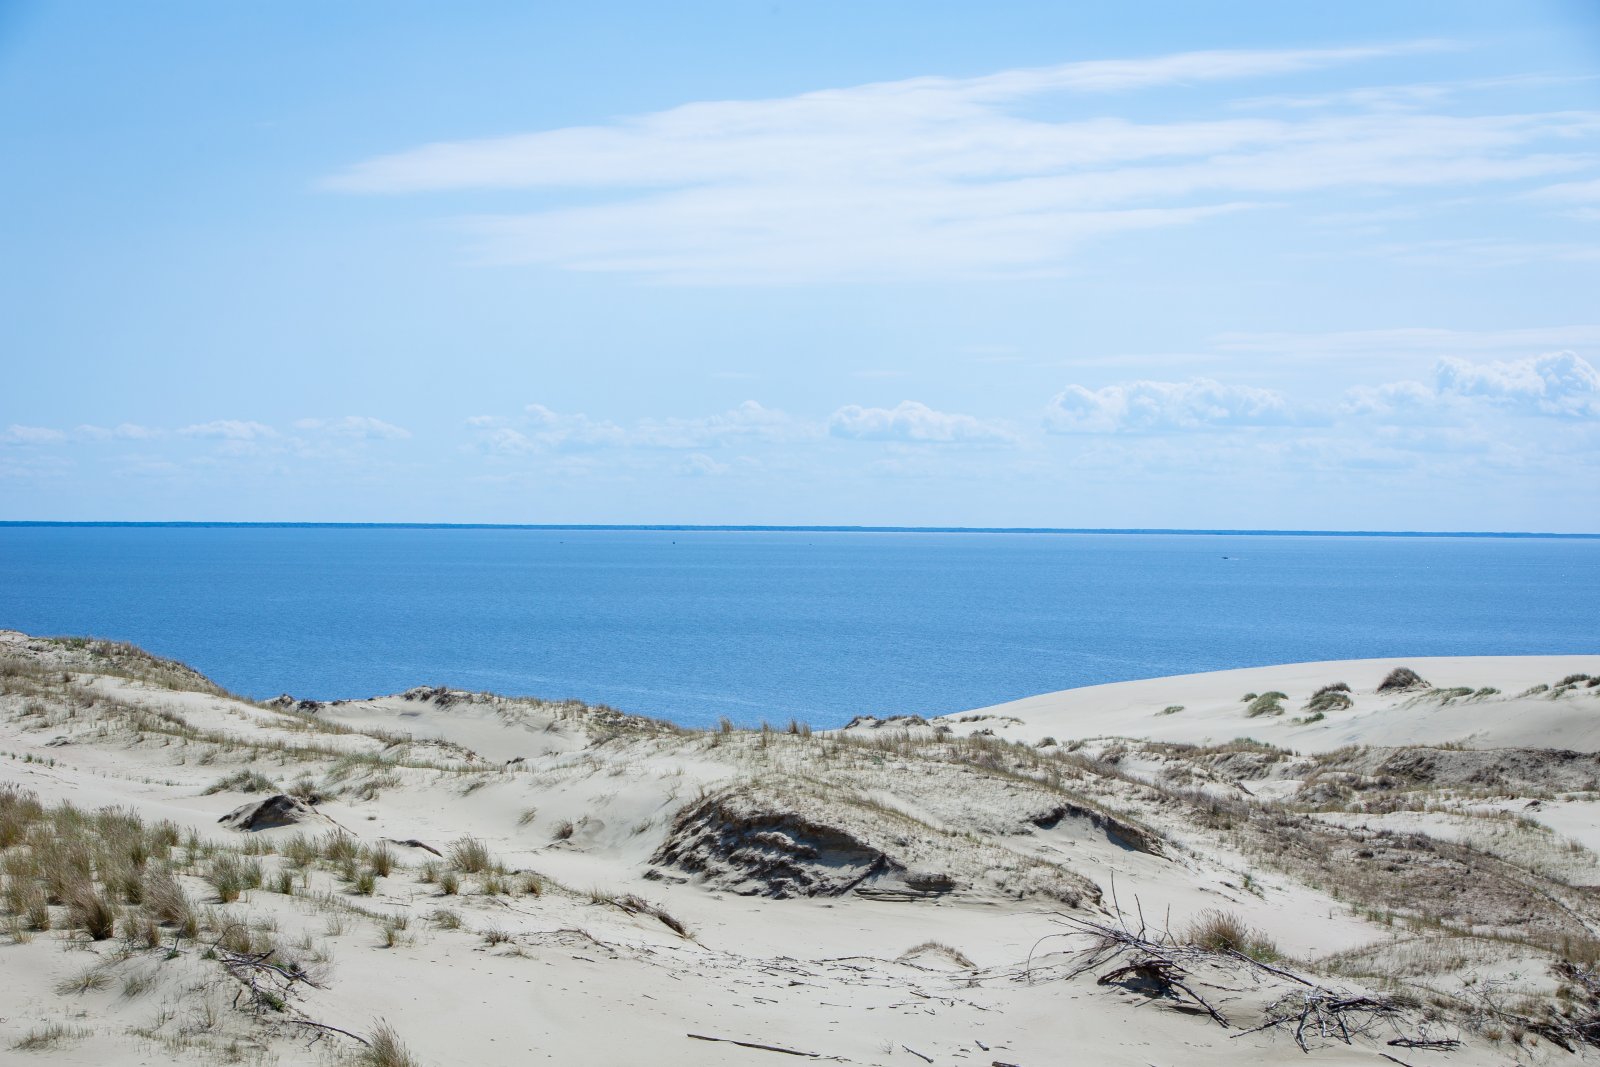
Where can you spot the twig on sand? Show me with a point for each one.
(1325, 1014)
(758, 1045)
(920, 1056)
(333, 1029)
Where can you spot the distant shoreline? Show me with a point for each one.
(689, 528)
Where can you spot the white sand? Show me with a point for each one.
(581, 982)
(1214, 713)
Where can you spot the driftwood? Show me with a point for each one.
(757, 1045)
(1153, 961)
(1320, 1015)
(1577, 1026)
(1163, 975)
(1157, 964)
(331, 1029)
(1439, 1044)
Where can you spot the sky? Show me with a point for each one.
(1178, 265)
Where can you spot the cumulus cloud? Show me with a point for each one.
(748, 421)
(126, 431)
(700, 465)
(356, 426)
(1557, 383)
(33, 435)
(949, 177)
(911, 421)
(1154, 407)
(230, 430)
(1389, 399)
(541, 428)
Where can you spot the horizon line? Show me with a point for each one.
(780, 528)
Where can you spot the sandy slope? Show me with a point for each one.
(804, 868)
(1213, 712)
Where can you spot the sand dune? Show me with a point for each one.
(508, 880)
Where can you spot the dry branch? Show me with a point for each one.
(757, 1045)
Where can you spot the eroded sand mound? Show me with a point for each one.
(266, 814)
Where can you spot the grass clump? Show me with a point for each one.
(242, 782)
(231, 875)
(385, 1049)
(1170, 709)
(1402, 679)
(92, 912)
(949, 952)
(44, 1037)
(1335, 697)
(1224, 931)
(83, 982)
(1270, 703)
(380, 858)
(469, 855)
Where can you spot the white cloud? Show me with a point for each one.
(1389, 399)
(129, 431)
(1582, 191)
(1154, 407)
(541, 428)
(915, 422)
(748, 421)
(946, 177)
(32, 435)
(731, 140)
(357, 426)
(1557, 383)
(1411, 340)
(125, 431)
(698, 464)
(230, 430)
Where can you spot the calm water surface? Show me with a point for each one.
(752, 625)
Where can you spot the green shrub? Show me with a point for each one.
(1335, 697)
(1266, 704)
(1401, 679)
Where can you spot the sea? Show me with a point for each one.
(819, 625)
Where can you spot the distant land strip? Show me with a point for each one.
(690, 528)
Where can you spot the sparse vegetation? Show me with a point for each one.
(939, 948)
(1401, 679)
(1335, 697)
(1224, 931)
(385, 1049)
(1488, 886)
(1266, 704)
(469, 855)
(243, 782)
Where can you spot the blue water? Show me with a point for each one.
(822, 626)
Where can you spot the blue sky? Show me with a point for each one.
(1253, 265)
